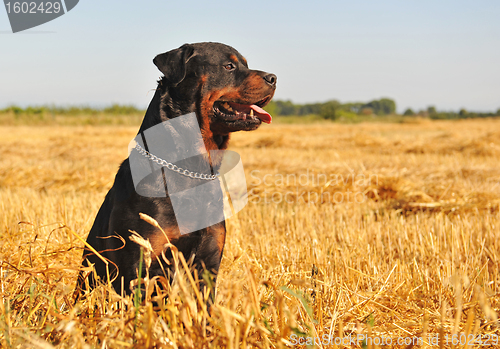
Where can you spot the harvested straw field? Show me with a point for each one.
(365, 236)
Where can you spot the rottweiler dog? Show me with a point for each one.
(213, 81)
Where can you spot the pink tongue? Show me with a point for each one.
(261, 113)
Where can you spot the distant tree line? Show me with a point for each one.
(333, 109)
(432, 113)
(53, 110)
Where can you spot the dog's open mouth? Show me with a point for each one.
(232, 111)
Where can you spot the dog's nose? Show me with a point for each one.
(271, 79)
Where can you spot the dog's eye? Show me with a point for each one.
(230, 66)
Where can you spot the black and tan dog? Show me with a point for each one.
(212, 80)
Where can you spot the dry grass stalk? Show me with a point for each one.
(418, 257)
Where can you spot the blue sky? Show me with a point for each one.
(420, 53)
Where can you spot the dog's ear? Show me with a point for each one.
(173, 63)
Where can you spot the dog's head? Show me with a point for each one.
(214, 80)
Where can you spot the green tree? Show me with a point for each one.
(387, 106)
(271, 108)
(329, 110)
(383, 106)
(409, 112)
(286, 108)
(311, 108)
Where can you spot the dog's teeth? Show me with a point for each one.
(227, 106)
(251, 113)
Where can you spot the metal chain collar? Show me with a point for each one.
(175, 168)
